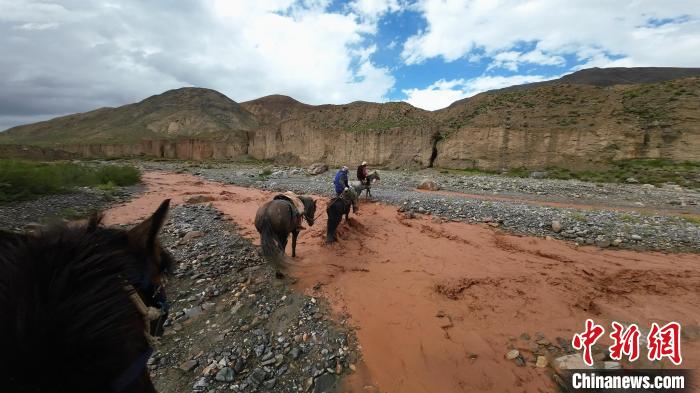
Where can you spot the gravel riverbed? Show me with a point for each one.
(639, 229)
(233, 326)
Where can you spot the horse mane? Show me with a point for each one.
(64, 307)
(309, 202)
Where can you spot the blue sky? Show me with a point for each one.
(71, 56)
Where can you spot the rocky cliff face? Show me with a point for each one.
(298, 142)
(393, 134)
(575, 126)
(184, 149)
(584, 120)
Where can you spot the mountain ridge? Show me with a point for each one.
(559, 122)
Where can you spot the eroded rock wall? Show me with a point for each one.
(296, 142)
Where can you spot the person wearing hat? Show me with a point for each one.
(341, 180)
(362, 172)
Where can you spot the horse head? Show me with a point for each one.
(351, 195)
(157, 265)
(82, 297)
(309, 208)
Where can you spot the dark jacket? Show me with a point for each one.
(340, 181)
(362, 173)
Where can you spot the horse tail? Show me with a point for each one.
(270, 248)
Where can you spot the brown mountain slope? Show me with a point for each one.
(564, 125)
(274, 108)
(574, 125)
(175, 114)
(628, 76)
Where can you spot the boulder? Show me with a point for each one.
(538, 175)
(569, 362)
(428, 184)
(317, 168)
(556, 226)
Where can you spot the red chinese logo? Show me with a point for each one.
(584, 341)
(665, 342)
(662, 342)
(625, 342)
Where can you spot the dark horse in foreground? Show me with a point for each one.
(76, 305)
(275, 220)
(337, 208)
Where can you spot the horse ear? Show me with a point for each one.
(145, 233)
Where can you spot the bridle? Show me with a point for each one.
(147, 313)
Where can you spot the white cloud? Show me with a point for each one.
(374, 9)
(597, 33)
(511, 60)
(68, 56)
(443, 92)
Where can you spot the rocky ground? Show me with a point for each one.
(50, 208)
(233, 326)
(653, 218)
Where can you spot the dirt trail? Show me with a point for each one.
(436, 304)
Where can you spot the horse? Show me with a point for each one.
(359, 186)
(337, 208)
(77, 300)
(275, 220)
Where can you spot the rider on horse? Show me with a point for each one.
(362, 172)
(341, 180)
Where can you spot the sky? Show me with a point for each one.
(60, 57)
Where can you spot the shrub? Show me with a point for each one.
(119, 175)
(20, 180)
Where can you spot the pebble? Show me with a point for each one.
(512, 354)
(541, 362)
(556, 226)
(189, 365)
(226, 374)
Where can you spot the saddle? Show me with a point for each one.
(297, 205)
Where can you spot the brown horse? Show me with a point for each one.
(77, 301)
(275, 220)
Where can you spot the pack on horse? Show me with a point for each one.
(366, 185)
(77, 301)
(337, 208)
(276, 219)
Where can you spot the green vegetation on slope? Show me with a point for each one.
(21, 180)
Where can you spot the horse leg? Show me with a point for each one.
(333, 221)
(283, 241)
(294, 243)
